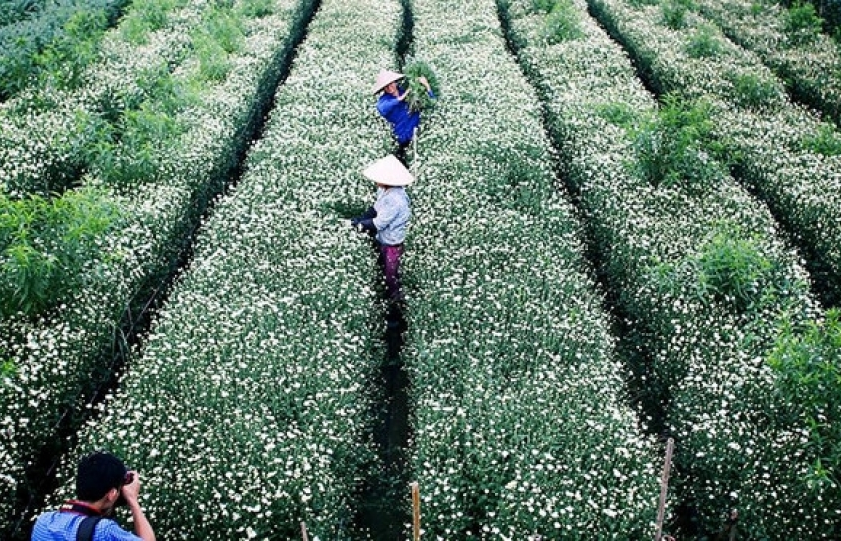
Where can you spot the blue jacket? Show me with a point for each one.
(403, 121)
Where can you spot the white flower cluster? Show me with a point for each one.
(58, 360)
(519, 424)
(771, 142)
(759, 27)
(708, 358)
(249, 409)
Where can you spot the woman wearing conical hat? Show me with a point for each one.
(392, 106)
(388, 218)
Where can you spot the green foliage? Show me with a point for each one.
(224, 28)
(826, 142)
(544, 6)
(807, 360)
(704, 43)
(674, 12)
(66, 58)
(54, 42)
(256, 9)
(143, 131)
(729, 268)
(47, 247)
(214, 63)
(12, 11)
(754, 92)
(619, 114)
(418, 99)
(676, 147)
(733, 269)
(124, 151)
(220, 36)
(146, 16)
(8, 368)
(563, 23)
(802, 23)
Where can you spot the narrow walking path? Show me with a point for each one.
(382, 510)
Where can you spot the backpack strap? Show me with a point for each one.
(86, 528)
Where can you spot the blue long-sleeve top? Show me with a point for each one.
(403, 121)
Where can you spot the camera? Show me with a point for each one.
(127, 480)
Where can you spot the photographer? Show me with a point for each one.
(102, 483)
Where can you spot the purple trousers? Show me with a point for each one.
(390, 261)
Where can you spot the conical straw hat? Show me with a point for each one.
(384, 78)
(389, 171)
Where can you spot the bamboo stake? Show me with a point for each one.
(664, 487)
(304, 531)
(416, 509)
(415, 150)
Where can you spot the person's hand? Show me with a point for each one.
(403, 97)
(424, 82)
(131, 491)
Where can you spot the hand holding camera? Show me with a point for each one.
(130, 489)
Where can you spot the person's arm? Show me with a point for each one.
(142, 527)
(425, 84)
(386, 104)
(365, 221)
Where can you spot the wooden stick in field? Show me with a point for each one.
(664, 487)
(416, 509)
(415, 150)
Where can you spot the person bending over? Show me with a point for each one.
(388, 218)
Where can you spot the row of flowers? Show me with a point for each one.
(249, 409)
(50, 131)
(35, 40)
(676, 254)
(520, 426)
(805, 58)
(57, 359)
(782, 151)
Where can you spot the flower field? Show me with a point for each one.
(773, 143)
(659, 242)
(790, 42)
(625, 228)
(268, 364)
(56, 358)
(519, 425)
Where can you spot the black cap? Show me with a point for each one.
(98, 473)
